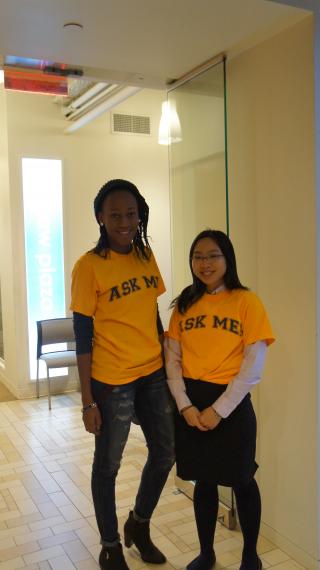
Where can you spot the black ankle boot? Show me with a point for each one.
(111, 558)
(203, 562)
(251, 564)
(138, 533)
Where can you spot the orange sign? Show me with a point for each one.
(35, 82)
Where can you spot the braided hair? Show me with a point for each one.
(140, 241)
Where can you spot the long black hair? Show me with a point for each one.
(140, 241)
(194, 292)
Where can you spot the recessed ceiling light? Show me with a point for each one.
(73, 26)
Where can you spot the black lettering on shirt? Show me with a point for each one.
(130, 286)
(114, 293)
(126, 289)
(133, 283)
(199, 324)
(189, 323)
(219, 323)
(235, 327)
(192, 323)
(152, 282)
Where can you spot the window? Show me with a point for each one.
(43, 230)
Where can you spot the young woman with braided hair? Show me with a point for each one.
(215, 350)
(118, 339)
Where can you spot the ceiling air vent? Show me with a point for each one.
(130, 124)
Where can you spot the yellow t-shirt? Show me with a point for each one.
(214, 331)
(120, 292)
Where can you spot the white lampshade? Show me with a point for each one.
(169, 127)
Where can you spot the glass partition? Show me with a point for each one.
(197, 165)
(198, 184)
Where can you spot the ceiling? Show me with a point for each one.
(122, 46)
(145, 43)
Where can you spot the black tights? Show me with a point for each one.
(248, 500)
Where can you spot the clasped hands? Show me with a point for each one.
(206, 420)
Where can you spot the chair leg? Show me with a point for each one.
(38, 391)
(49, 392)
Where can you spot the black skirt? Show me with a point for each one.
(226, 454)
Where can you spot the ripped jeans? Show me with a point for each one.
(149, 399)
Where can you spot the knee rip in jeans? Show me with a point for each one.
(163, 464)
(106, 471)
(123, 417)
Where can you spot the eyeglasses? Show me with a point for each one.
(212, 258)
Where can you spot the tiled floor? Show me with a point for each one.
(46, 514)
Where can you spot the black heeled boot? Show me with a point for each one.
(255, 564)
(138, 533)
(203, 562)
(111, 558)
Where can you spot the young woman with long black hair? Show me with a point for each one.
(118, 331)
(215, 350)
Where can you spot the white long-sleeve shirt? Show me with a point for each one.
(248, 376)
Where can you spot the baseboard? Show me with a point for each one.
(4, 379)
(59, 385)
(289, 548)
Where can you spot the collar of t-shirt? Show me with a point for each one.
(217, 290)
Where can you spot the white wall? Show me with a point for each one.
(9, 368)
(273, 226)
(90, 157)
